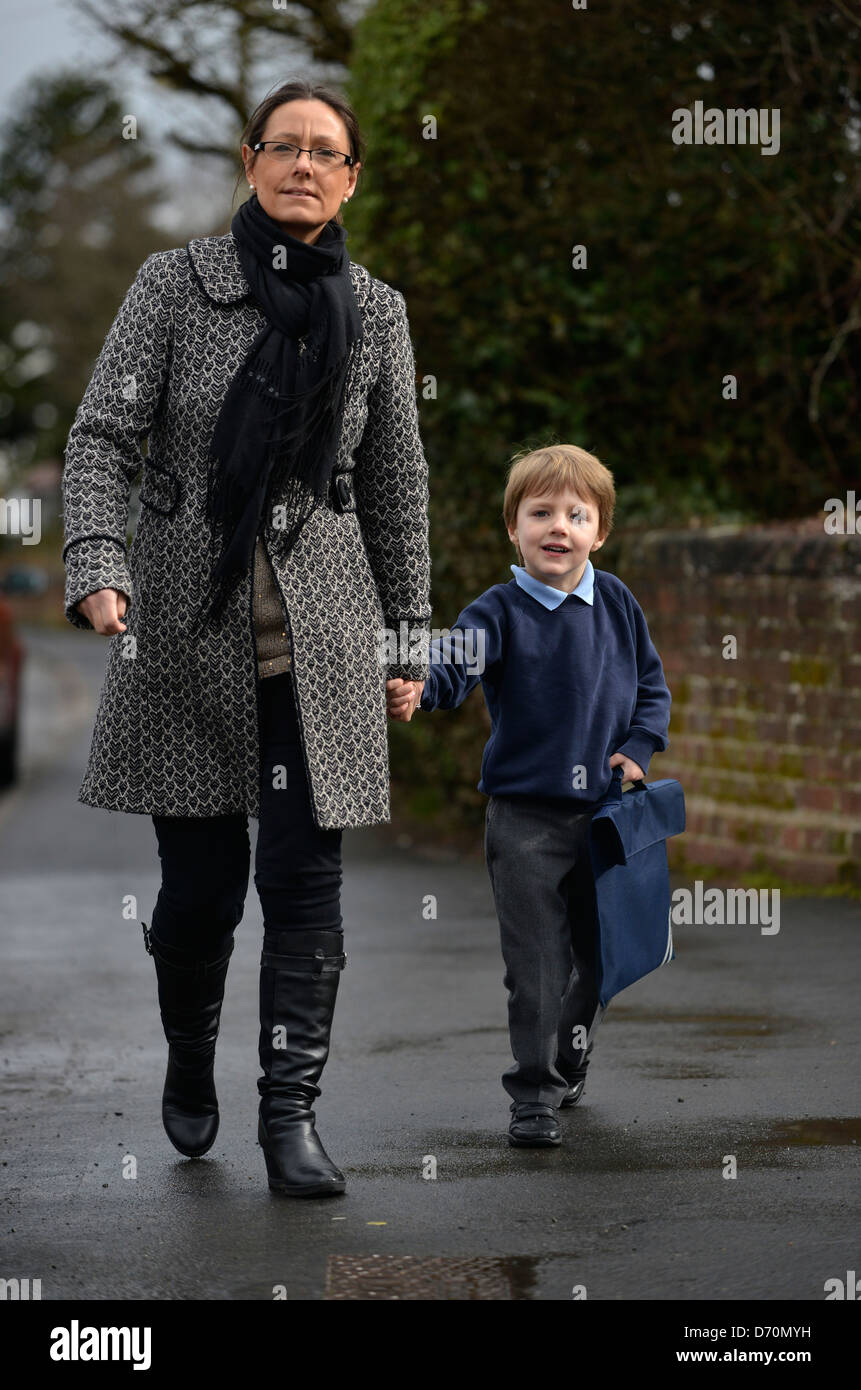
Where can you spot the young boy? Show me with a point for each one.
(574, 686)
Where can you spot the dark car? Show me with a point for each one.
(11, 661)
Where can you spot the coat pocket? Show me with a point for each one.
(160, 488)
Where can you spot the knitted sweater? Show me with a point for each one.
(270, 635)
(566, 686)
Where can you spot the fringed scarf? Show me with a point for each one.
(277, 434)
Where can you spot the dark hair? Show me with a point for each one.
(300, 90)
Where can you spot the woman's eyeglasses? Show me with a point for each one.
(322, 156)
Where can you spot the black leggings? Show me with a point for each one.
(206, 860)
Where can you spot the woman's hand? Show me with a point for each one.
(104, 609)
(402, 698)
(633, 772)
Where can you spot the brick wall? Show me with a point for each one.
(767, 745)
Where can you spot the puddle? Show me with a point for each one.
(480, 1153)
(673, 1071)
(737, 1025)
(719, 1025)
(417, 1044)
(591, 1146)
(816, 1133)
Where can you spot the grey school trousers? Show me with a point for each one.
(538, 860)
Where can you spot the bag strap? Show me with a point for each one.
(614, 795)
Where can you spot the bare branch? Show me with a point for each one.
(851, 325)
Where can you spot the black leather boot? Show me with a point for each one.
(299, 975)
(190, 996)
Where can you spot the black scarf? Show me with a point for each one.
(277, 434)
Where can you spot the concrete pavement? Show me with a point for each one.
(746, 1045)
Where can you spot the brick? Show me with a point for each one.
(818, 798)
(768, 747)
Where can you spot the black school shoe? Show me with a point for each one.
(534, 1126)
(572, 1095)
(576, 1081)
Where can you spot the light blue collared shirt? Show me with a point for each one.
(546, 594)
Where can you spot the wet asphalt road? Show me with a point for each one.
(746, 1045)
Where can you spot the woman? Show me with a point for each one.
(283, 526)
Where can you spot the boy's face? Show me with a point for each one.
(556, 535)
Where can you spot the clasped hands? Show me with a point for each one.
(402, 698)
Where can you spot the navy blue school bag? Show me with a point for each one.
(628, 849)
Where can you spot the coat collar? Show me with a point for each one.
(218, 270)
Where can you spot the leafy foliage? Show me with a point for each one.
(553, 129)
(76, 213)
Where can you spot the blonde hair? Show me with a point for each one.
(553, 469)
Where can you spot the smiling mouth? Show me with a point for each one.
(555, 549)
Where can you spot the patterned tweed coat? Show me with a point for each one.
(177, 726)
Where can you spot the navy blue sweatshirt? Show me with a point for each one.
(569, 680)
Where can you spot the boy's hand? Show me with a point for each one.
(402, 698)
(632, 771)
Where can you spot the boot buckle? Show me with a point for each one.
(336, 962)
(317, 965)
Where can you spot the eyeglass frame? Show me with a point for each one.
(261, 145)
